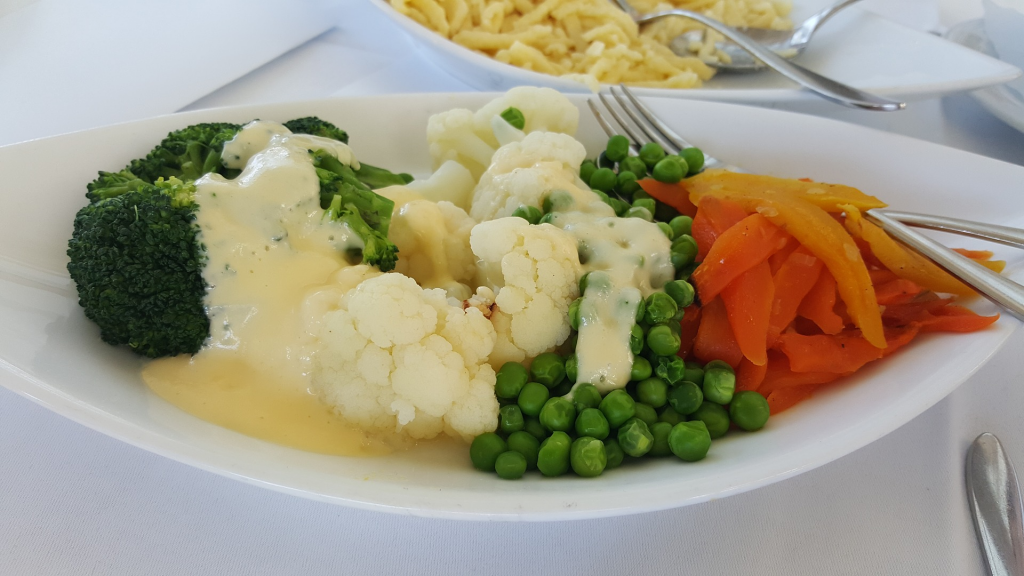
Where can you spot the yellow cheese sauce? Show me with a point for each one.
(269, 247)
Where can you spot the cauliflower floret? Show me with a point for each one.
(451, 182)
(393, 357)
(523, 173)
(534, 271)
(471, 138)
(432, 240)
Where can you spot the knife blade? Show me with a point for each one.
(994, 498)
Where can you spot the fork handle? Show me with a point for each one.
(826, 87)
(1001, 234)
(1004, 292)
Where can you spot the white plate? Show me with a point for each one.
(52, 354)
(857, 47)
(1003, 101)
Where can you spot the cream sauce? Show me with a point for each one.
(268, 248)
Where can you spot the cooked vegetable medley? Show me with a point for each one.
(558, 313)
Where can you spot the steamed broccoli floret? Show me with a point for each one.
(138, 263)
(316, 127)
(375, 177)
(110, 184)
(367, 213)
(187, 153)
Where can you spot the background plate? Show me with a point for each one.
(52, 355)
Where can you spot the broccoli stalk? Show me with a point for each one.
(372, 176)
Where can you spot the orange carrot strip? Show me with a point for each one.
(672, 194)
(785, 398)
(748, 304)
(714, 217)
(749, 375)
(843, 353)
(794, 279)
(820, 303)
(896, 292)
(906, 313)
(955, 319)
(737, 250)
(778, 376)
(881, 276)
(775, 261)
(898, 338)
(715, 340)
(828, 197)
(975, 254)
(688, 327)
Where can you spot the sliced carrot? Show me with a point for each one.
(775, 261)
(898, 338)
(794, 279)
(738, 249)
(688, 330)
(778, 376)
(715, 340)
(820, 303)
(896, 292)
(975, 254)
(748, 304)
(843, 353)
(672, 194)
(881, 277)
(785, 398)
(952, 318)
(908, 312)
(828, 197)
(749, 375)
(714, 217)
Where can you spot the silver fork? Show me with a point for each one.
(640, 125)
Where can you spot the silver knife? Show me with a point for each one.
(994, 498)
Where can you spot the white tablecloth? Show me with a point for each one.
(73, 501)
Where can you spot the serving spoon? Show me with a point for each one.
(825, 87)
(785, 43)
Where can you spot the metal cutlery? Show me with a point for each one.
(994, 498)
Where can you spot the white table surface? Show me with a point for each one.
(73, 501)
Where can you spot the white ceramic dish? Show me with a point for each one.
(50, 353)
(857, 47)
(1003, 101)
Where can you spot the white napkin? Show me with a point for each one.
(67, 65)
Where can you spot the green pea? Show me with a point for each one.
(603, 179)
(514, 117)
(558, 415)
(510, 419)
(641, 309)
(714, 417)
(548, 218)
(572, 367)
(587, 170)
(613, 453)
(584, 281)
(603, 161)
(668, 170)
(749, 410)
(527, 445)
(586, 396)
(645, 413)
(574, 313)
(694, 159)
(685, 398)
(634, 165)
(587, 457)
(660, 307)
(685, 272)
(683, 251)
(604, 197)
(719, 382)
(533, 397)
(669, 414)
(647, 203)
(683, 164)
(640, 195)
(641, 369)
(665, 229)
(618, 407)
(662, 340)
(635, 438)
(562, 389)
(619, 206)
(681, 291)
(660, 431)
(509, 380)
(533, 427)
(510, 465)
(548, 369)
(636, 339)
(558, 201)
(653, 391)
(690, 441)
(638, 212)
(485, 449)
(591, 422)
(626, 183)
(651, 153)
(694, 373)
(553, 456)
(617, 149)
(681, 225)
(528, 213)
(669, 368)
